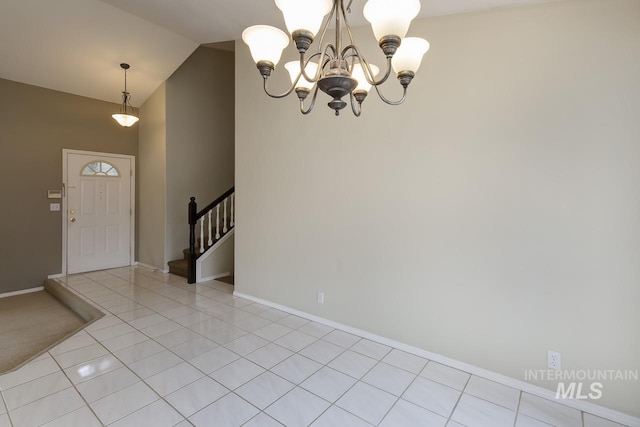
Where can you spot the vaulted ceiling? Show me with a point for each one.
(76, 46)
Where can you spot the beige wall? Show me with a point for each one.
(220, 262)
(35, 125)
(490, 218)
(152, 180)
(200, 139)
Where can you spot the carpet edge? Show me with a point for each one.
(84, 309)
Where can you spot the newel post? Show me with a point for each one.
(193, 219)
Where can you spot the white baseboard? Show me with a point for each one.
(56, 276)
(150, 267)
(22, 292)
(535, 390)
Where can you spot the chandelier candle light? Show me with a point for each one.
(336, 70)
(123, 117)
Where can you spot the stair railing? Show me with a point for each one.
(210, 232)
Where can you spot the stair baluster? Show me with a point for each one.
(224, 223)
(202, 235)
(217, 222)
(232, 223)
(210, 230)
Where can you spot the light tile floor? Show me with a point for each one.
(173, 354)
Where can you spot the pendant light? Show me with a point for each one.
(123, 117)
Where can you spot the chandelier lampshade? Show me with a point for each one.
(337, 68)
(304, 15)
(390, 17)
(266, 44)
(358, 73)
(293, 68)
(409, 55)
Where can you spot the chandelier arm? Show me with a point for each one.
(386, 101)
(313, 103)
(368, 73)
(358, 111)
(346, 22)
(349, 6)
(325, 26)
(281, 95)
(321, 64)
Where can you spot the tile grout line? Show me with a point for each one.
(5, 407)
(515, 421)
(453, 410)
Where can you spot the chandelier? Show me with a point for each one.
(338, 69)
(123, 117)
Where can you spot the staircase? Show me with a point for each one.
(213, 225)
(180, 267)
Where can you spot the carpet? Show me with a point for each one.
(30, 324)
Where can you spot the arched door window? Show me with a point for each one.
(100, 168)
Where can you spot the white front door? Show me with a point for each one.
(98, 211)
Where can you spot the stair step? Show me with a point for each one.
(179, 267)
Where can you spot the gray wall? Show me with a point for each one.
(186, 149)
(35, 125)
(152, 179)
(200, 138)
(493, 216)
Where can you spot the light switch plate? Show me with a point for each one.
(54, 207)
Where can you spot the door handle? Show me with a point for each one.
(72, 219)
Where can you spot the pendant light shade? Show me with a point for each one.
(409, 54)
(265, 42)
(293, 68)
(358, 74)
(304, 15)
(123, 118)
(390, 17)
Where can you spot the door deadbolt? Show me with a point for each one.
(72, 219)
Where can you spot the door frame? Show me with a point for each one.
(65, 211)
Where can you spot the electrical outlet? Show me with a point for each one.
(320, 297)
(554, 360)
